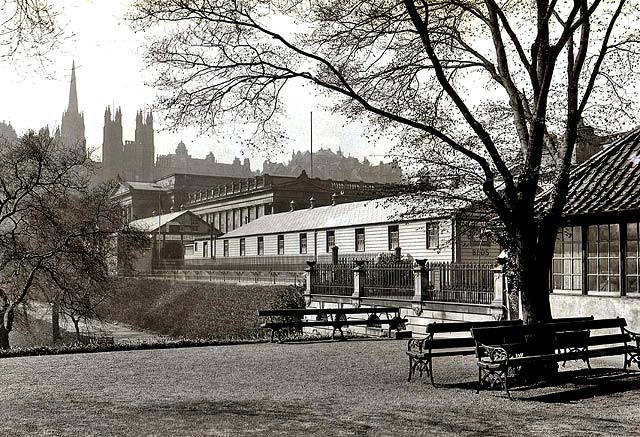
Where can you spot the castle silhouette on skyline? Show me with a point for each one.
(136, 160)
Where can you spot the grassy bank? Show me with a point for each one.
(192, 309)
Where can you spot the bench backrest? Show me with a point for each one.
(560, 333)
(441, 327)
(325, 311)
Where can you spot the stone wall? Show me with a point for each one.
(565, 305)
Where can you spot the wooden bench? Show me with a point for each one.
(330, 317)
(501, 348)
(422, 351)
(105, 340)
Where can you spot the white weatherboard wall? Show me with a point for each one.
(251, 246)
(412, 235)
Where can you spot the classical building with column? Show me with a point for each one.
(231, 206)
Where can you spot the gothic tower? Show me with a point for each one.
(112, 147)
(72, 128)
(145, 153)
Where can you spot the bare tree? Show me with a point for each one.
(489, 91)
(82, 276)
(29, 29)
(55, 228)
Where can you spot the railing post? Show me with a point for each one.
(358, 283)
(311, 276)
(421, 280)
(499, 310)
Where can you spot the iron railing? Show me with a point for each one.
(230, 276)
(461, 282)
(333, 279)
(392, 279)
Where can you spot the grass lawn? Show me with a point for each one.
(318, 388)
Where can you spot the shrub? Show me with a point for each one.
(290, 297)
(195, 309)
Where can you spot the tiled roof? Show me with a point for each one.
(151, 224)
(323, 217)
(608, 181)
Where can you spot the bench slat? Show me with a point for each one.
(450, 343)
(502, 334)
(435, 328)
(591, 353)
(442, 353)
(303, 323)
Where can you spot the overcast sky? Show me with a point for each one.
(110, 71)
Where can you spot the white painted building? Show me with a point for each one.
(358, 228)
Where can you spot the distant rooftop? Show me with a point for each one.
(326, 217)
(152, 223)
(609, 181)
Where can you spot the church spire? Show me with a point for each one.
(73, 93)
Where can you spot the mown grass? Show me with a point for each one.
(318, 388)
(192, 309)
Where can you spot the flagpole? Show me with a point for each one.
(311, 166)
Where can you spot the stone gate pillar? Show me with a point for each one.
(311, 277)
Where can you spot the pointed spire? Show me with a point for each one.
(73, 93)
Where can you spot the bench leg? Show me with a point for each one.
(494, 376)
(430, 371)
(410, 368)
(333, 333)
(630, 358)
(505, 386)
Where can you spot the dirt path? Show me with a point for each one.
(119, 331)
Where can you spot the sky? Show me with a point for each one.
(110, 71)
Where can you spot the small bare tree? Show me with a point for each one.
(488, 91)
(56, 229)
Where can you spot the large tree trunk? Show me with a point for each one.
(4, 338)
(55, 319)
(5, 327)
(533, 283)
(76, 325)
(531, 271)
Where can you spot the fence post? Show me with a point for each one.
(334, 255)
(499, 311)
(311, 276)
(358, 283)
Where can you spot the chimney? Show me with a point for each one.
(312, 202)
(293, 205)
(334, 199)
